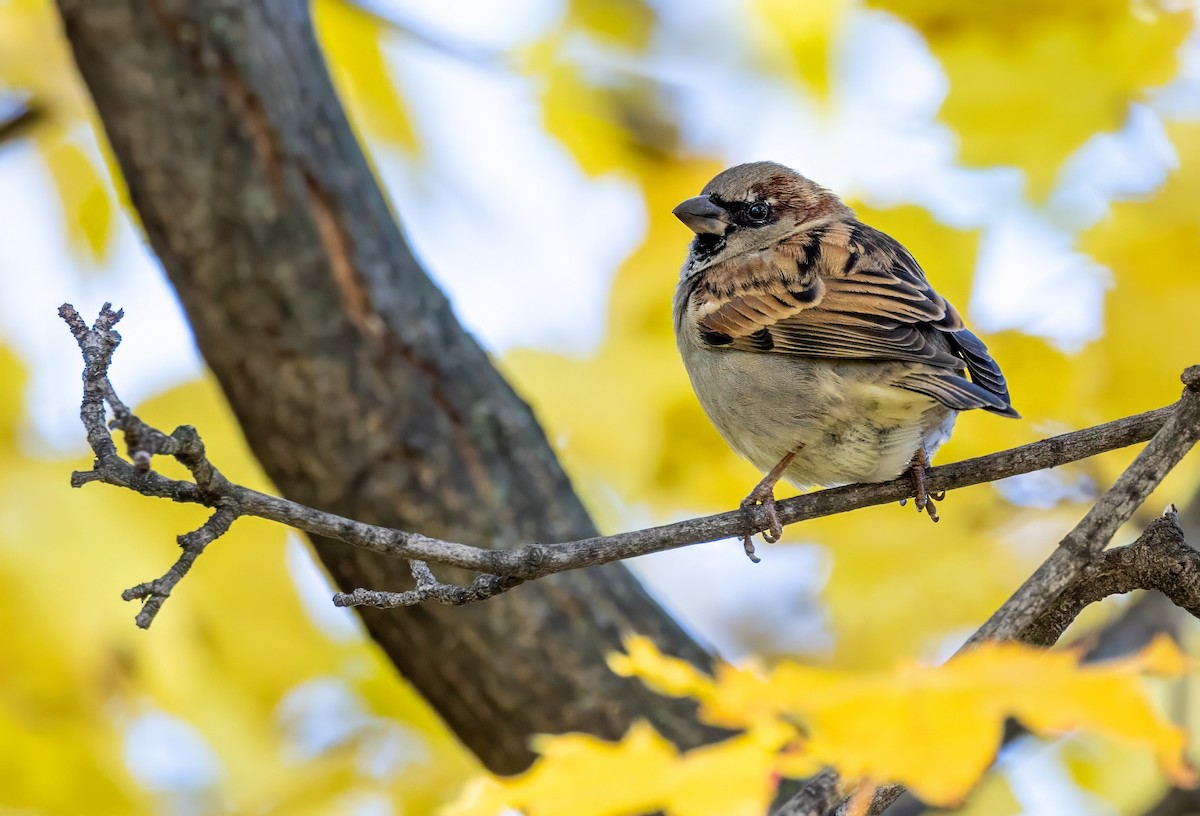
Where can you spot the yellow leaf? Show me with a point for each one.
(805, 32)
(611, 122)
(735, 777)
(936, 729)
(353, 43)
(87, 206)
(578, 769)
(1062, 71)
(580, 775)
(35, 58)
(624, 23)
(611, 119)
(1151, 246)
(666, 675)
(1151, 331)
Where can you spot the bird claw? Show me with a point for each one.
(924, 500)
(764, 494)
(774, 531)
(748, 546)
(931, 509)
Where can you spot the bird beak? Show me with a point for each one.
(701, 216)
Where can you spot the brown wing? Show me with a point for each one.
(847, 291)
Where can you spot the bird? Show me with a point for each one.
(814, 342)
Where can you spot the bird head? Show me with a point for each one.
(751, 207)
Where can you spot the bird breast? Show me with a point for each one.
(843, 417)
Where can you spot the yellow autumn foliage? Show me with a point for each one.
(353, 40)
(1031, 81)
(935, 729)
(76, 675)
(1027, 84)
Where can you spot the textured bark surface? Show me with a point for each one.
(355, 386)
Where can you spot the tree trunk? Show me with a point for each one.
(355, 386)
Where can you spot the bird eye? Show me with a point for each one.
(758, 212)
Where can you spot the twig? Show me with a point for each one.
(143, 442)
(502, 570)
(155, 593)
(430, 589)
(1042, 608)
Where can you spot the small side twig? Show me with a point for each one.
(430, 589)
(155, 593)
(1160, 559)
(143, 443)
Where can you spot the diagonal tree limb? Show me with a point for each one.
(1147, 617)
(1048, 601)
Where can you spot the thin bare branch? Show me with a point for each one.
(501, 570)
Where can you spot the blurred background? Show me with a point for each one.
(1041, 159)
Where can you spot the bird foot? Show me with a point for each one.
(924, 500)
(764, 496)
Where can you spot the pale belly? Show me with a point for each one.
(843, 420)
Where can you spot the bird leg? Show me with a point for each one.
(924, 499)
(764, 494)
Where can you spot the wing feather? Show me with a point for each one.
(848, 291)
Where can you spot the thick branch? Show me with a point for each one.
(353, 383)
(1160, 559)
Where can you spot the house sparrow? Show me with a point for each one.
(814, 342)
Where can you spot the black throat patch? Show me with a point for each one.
(706, 246)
